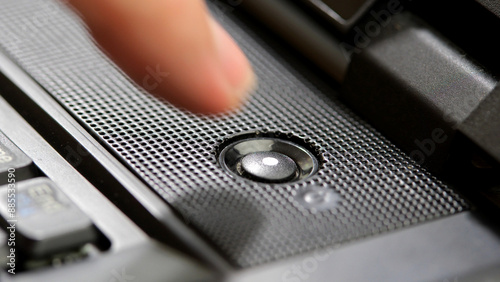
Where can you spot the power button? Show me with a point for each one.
(269, 166)
(268, 159)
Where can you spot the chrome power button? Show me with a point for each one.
(269, 166)
(267, 159)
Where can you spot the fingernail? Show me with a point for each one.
(235, 66)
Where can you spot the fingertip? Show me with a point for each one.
(235, 70)
(208, 72)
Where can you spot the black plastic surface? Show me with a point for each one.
(483, 125)
(416, 87)
(492, 5)
(342, 13)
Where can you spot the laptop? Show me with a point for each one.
(368, 152)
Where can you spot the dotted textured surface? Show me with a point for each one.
(250, 223)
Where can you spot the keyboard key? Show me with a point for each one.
(14, 164)
(45, 220)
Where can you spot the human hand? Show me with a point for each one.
(172, 48)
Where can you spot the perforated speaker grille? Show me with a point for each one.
(379, 187)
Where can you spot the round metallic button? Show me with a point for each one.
(267, 159)
(269, 166)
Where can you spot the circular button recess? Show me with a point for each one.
(268, 159)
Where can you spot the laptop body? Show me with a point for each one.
(149, 177)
